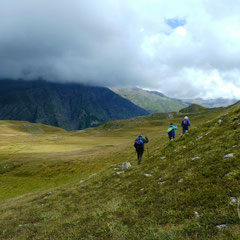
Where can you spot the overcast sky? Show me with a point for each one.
(183, 48)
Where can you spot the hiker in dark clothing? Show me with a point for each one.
(139, 145)
(185, 125)
(171, 131)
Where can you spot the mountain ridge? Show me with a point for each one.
(68, 105)
(152, 101)
(155, 101)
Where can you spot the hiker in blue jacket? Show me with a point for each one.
(139, 146)
(171, 131)
(185, 125)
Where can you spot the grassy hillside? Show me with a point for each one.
(154, 101)
(186, 189)
(151, 101)
(193, 108)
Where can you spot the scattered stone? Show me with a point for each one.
(234, 146)
(198, 138)
(141, 189)
(221, 226)
(161, 183)
(233, 200)
(126, 165)
(228, 174)
(98, 132)
(49, 193)
(223, 116)
(196, 214)
(92, 175)
(207, 133)
(235, 119)
(219, 121)
(6, 166)
(195, 158)
(116, 169)
(162, 158)
(118, 173)
(147, 175)
(230, 155)
(180, 180)
(81, 181)
(184, 147)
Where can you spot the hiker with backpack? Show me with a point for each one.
(139, 146)
(185, 125)
(171, 131)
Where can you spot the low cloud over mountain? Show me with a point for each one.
(183, 48)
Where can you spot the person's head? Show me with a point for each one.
(140, 136)
(171, 124)
(186, 117)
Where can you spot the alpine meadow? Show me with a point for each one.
(70, 185)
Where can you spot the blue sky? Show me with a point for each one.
(176, 22)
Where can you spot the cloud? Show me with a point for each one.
(183, 48)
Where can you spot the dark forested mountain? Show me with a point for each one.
(70, 106)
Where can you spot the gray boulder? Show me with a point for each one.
(126, 165)
(230, 155)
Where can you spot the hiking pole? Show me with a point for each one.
(147, 151)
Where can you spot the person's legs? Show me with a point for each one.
(140, 154)
(183, 131)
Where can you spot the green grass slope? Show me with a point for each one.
(186, 189)
(151, 101)
(36, 157)
(193, 108)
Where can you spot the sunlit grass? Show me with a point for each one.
(64, 185)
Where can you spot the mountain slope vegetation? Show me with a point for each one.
(193, 108)
(154, 101)
(69, 106)
(185, 189)
(150, 100)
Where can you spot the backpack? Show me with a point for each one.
(185, 122)
(138, 143)
(170, 130)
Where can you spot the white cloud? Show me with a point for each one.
(125, 43)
